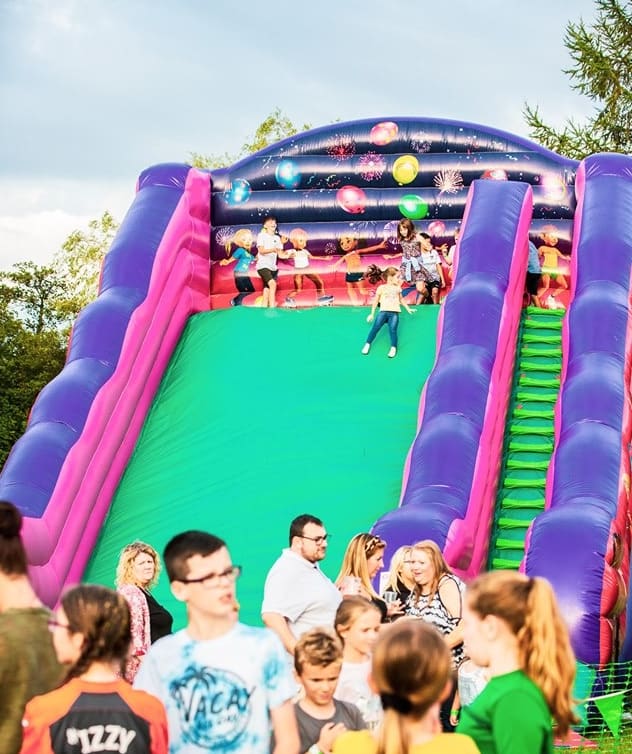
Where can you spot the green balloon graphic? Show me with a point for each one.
(413, 207)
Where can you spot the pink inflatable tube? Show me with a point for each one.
(61, 540)
(451, 473)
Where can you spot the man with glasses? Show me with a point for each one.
(226, 686)
(297, 595)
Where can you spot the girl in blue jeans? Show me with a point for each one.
(390, 300)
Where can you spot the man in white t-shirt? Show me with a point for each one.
(297, 595)
(226, 686)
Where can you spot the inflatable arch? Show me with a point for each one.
(341, 190)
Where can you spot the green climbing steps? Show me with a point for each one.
(528, 444)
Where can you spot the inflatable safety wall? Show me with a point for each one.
(338, 192)
(582, 542)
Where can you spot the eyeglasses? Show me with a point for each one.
(212, 580)
(53, 624)
(317, 540)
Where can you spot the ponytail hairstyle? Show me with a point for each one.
(375, 274)
(411, 669)
(528, 607)
(354, 563)
(348, 612)
(12, 553)
(102, 616)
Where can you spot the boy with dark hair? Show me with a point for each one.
(226, 686)
(320, 717)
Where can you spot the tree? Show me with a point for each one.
(275, 127)
(602, 70)
(32, 294)
(29, 359)
(79, 262)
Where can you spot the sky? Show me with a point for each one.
(94, 91)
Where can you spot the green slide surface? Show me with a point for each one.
(528, 434)
(262, 415)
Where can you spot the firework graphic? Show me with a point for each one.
(342, 147)
(448, 181)
(224, 235)
(372, 166)
(330, 248)
(420, 146)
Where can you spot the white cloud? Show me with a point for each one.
(37, 217)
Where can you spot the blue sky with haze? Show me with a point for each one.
(93, 91)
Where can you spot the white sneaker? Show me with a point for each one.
(392, 352)
(366, 348)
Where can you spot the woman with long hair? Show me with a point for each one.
(438, 599)
(95, 709)
(28, 665)
(362, 561)
(513, 627)
(411, 671)
(400, 576)
(137, 572)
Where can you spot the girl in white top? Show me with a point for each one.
(269, 246)
(358, 623)
(389, 297)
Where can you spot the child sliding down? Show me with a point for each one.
(390, 299)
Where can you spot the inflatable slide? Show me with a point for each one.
(185, 404)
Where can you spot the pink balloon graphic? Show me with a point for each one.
(352, 199)
(495, 174)
(383, 133)
(436, 228)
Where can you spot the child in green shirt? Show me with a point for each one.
(512, 626)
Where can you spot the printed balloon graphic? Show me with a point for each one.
(497, 174)
(436, 228)
(405, 169)
(413, 207)
(554, 186)
(287, 174)
(238, 192)
(383, 133)
(352, 199)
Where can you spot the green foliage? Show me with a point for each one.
(28, 360)
(79, 262)
(275, 127)
(31, 294)
(601, 70)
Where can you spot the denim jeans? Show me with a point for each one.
(392, 318)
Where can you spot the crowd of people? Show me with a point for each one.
(340, 667)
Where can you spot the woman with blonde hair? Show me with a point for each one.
(410, 670)
(95, 709)
(137, 572)
(400, 577)
(513, 627)
(362, 561)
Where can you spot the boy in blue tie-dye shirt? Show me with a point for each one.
(226, 686)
